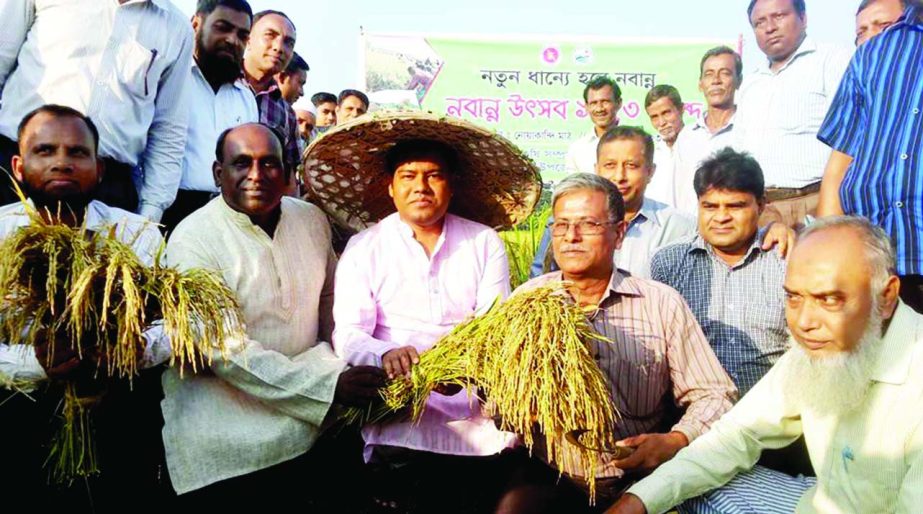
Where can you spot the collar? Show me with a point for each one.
(913, 16)
(240, 83)
(244, 222)
(406, 232)
(699, 245)
(621, 283)
(897, 348)
(648, 213)
(163, 4)
(96, 216)
(701, 125)
(807, 46)
(273, 90)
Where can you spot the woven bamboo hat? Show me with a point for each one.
(345, 172)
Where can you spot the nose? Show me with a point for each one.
(421, 184)
(722, 214)
(571, 235)
(805, 319)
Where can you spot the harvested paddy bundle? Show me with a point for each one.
(88, 292)
(530, 359)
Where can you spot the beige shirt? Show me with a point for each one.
(867, 461)
(266, 404)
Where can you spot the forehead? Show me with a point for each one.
(427, 160)
(628, 148)
(49, 128)
(717, 62)
(581, 203)
(882, 9)
(713, 195)
(232, 16)
(276, 23)
(603, 93)
(764, 7)
(327, 106)
(662, 104)
(253, 141)
(353, 101)
(828, 261)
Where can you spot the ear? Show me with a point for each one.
(889, 297)
(196, 22)
(621, 227)
(761, 204)
(390, 190)
(100, 170)
(216, 173)
(17, 166)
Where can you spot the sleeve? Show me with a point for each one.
(700, 383)
(659, 267)
(163, 157)
(355, 312)
(541, 253)
(325, 316)
(570, 160)
(292, 138)
(761, 420)
(19, 367)
(18, 17)
(910, 496)
(495, 282)
(301, 387)
(845, 124)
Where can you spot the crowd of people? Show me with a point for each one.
(758, 275)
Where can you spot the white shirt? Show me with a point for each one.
(18, 363)
(661, 186)
(125, 66)
(654, 227)
(779, 114)
(693, 145)
(231, 106)
(581, 154)
(266, 403)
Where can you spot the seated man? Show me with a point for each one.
(731, 284)
(249, 430)
(850, 384)
(59, 170)
(400, 286)
(659, 357)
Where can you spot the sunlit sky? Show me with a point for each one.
(328, 30)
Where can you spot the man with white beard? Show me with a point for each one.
(850, 384)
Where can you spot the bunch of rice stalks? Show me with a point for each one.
(530, 358)
(90, 290)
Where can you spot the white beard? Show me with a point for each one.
(834, 384)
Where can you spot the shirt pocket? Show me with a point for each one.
(138, 69)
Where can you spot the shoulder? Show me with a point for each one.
(661, 298)
(672, 254)
(201, 225)
(473, 230)
(302, 209)
(539, 281)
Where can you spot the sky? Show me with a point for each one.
(328, 30)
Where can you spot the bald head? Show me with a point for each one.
(249, 170)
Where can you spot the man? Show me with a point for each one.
(350, 105)
(664, 107)
(252, 424)
(781, 106)
(603, 99)
(850, 384)
(660, 357)
(720, 74)
(269, 50)
(400, 286)
(307, 121)
(874, 16)
(59, 169)
(873, 128)
(625, 158)
(219, 97)
(291, 80)
(125, 65)
(326, 107)
(731, 284)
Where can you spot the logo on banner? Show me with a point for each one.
(583, 56)
(551, 55)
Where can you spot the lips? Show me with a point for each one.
(813, 345)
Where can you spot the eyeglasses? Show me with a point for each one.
(582, 227)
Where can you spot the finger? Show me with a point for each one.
(632, 442)
(414, 356)
(631, 462)
(405, 364)
(388, 367)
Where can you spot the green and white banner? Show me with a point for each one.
(528, 90)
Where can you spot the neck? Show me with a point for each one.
(719, 116)
(631, 211)
(269, 221)
(775, 65)
(258, 80)
(602, 130)
(733, 255)
(213, 81)
(588, 289)
(427, 235)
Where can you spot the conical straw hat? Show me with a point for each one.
(345, 172)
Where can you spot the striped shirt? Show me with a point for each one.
(658, 355)
(747, 331)
(868, 460)
(877, 118)
(779, 113)
(278, 114)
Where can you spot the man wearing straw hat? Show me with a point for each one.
(411, 278)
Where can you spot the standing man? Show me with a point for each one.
(325, 105)
(851, 384)
(307, 122)
(873, 127)
(124, 64)
(269, 50)
(248, 430)
(782, 104)
(603, 99)
(874, 16)
(732, 285)
(720, 74)
(351, 104)
(664, 106)
(292, 80)
(220, 97)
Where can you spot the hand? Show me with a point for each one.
(358, 386)
(448, 389)
(58, 357)
(651, 450)
(780, 236)
(398, 362)
(627, 504)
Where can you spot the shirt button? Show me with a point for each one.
(903, 157)
(916, 111)
(899, 204)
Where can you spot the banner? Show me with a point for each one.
(529, 91)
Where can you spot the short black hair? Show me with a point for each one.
(322, 98)
(663, 91)
(206, 7)
(799, 6)
(262, 14)
(60, 111)
(866, 3)
(725, 50)
(623, 132)
(730, 170)
(601, 82)
(346, 93)
(414, 148)
(219, 147)
(296, 64)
